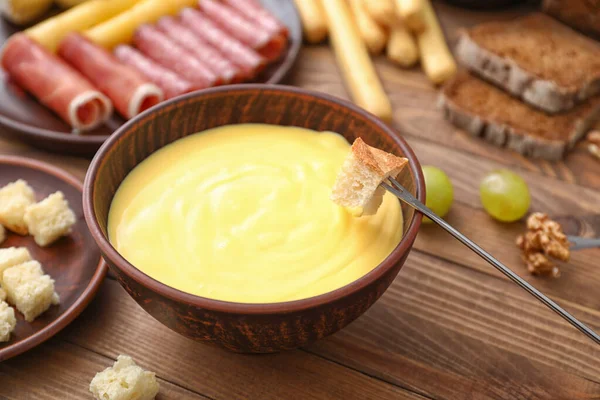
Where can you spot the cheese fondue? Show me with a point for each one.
(242, 213)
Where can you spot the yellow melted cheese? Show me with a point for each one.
(242, 213)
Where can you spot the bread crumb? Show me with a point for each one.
(2, 234)
(14, 199)
(29, 289)
(357, 185)
(124, 381)
(7, 321)
(49, 219)
(11, 257)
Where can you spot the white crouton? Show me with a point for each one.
(7, 321)
(2, 234)
(2, 295)
(124, 381)
(11, 257)
(50, 219)
(357, 184)
(29, 290)
(14, 199)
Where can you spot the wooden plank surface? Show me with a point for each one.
(450, 327)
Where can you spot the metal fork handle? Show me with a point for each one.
(578, 243)
(409, 199)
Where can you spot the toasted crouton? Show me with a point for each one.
(7, 321)
(13, 256)
(357, 184)
(50, 219)
(124, 380)
(14, 199)
(29, 289)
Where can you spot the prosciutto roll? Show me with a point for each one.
(157, 46)
(255, 12)
(130, 92)
(213, 59)
(171, 84)
(248, 61)
(54, 83)
(267, 43)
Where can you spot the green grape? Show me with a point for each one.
(505, 195)
(440, 193)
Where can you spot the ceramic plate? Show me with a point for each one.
(24, 119)
(73, 262)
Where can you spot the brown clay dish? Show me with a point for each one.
(24, 119)
(255, 328)
(74, 262)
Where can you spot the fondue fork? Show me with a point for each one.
(399, 191)
(578, 243)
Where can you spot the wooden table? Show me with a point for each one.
(448, 328)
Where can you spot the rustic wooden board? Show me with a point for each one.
(450, 327)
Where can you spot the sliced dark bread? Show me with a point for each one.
(535, 58)
(486, 111)
(580, 14)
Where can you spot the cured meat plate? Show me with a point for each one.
(23, 118)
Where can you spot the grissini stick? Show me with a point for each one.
(382, 11)
(436, 58)
(402, 48)
(374, 35)
(313, 19)
(412, 12)
(354, 60)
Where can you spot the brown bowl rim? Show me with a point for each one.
(250, 308)
(80, 304)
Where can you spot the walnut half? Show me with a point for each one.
(544, 240)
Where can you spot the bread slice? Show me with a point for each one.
(357, 184)
(486, 111)
(535, 58)
(580, 14)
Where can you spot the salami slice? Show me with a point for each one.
(129, 91)
(171, 84)
(157, 46)
(254, 11)
(268, 44)
(55, 83)
(203, 51)
(250, 62)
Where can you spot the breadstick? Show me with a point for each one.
(50, 32)
(120, 29)
(354, 61)
(382, 11)
(313, 19)
(412, 12)
(374, 36)
(436, 58)
(402, 47)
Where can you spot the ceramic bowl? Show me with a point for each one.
(251, 328)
